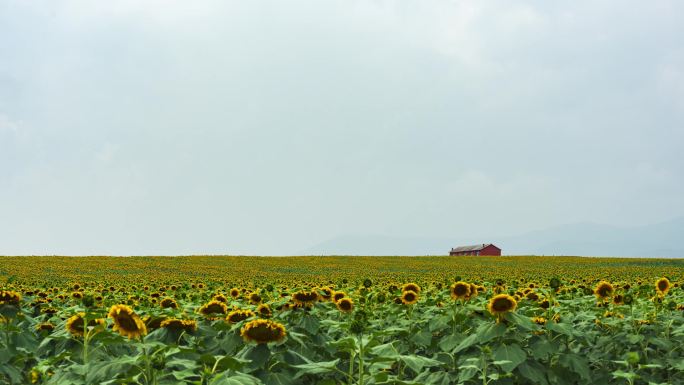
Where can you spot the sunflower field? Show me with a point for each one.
(341, 320)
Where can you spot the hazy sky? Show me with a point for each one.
(264, 127)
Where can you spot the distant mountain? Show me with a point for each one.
(585, 239)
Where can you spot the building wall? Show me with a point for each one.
(489, 250)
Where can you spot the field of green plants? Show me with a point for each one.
(341, 320)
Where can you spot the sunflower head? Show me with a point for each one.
(501, 304)
(263, 331)
(264, 311)
(220, 297)
(153, 323)
(326, 293)
(126, 322)
(474, 289)
(9, 297)
(255, 298)
(234, 292)
(214, 309)
(409, 297)
(46, 326)
(177, 325)
(603, 290)
(662, 286)
(238, 315)
(618, 299)
(305, 297)
(345, 305)
(75, 324)
(460, 290)
(338, 295)
(168, 303)
(411, 287)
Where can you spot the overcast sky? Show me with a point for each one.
(265, 127)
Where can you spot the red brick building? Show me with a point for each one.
(481, 249)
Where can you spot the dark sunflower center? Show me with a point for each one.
(126, 322)
(502, 304)
(461, 290)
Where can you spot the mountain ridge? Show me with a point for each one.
(661, 239)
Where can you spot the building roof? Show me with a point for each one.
(473, 247)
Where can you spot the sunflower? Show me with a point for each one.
(409, 297)
(77, 295)
(126, 322)
(603, 290)
(338, 295)
(411, 287)
(220, 297)
(234, 292)
(264, 311)
(214, 309)
(9, 297)
(326, 293)
(153, 323)
(45, 326)
(662, 286)
(263, 331)
(168, 303)
(460, 290)
(501, 304)
(75, 324)
(179, 324)
(255, 298)
(236, 316)
(618, 299)
(539, 320)
(474, 289)
(305, 297)
(345, 305)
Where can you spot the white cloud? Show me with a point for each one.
(6, 124)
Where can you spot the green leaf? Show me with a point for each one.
(11, 372)
(561, 328)
(623, 374)
(278, 379)
(466, 372)
(490, 330)
(522, 321)
(235, 379)
(512, 353)
(257, 354)
(448, 343)
(316, 367)
(417, 363)
(423, 338)
(346, 344)
(577, 364)
(224, 363)
(533, 371)
(384, 352)
(466, 343)
(542, 348)
(101, 371)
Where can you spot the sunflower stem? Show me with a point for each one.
(361, 369)
(86, 336)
